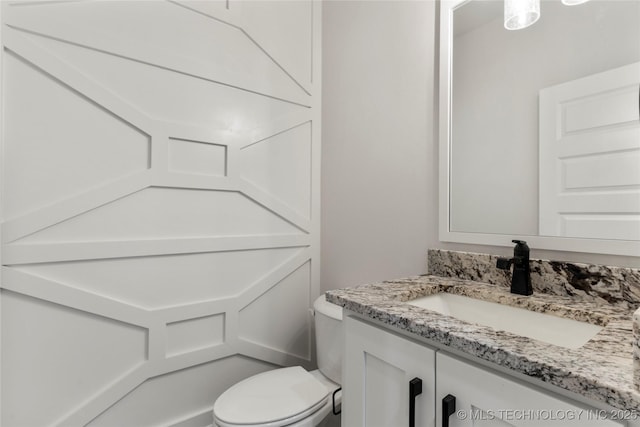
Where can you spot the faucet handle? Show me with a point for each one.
(504, 263)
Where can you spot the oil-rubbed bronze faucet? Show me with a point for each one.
(521, 278)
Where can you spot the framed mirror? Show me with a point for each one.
(540, 127)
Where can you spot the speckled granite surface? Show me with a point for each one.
(598, 283)
(602, 370)
(636, 349)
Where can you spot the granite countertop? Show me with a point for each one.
(601, 370)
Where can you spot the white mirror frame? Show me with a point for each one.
(599, 246)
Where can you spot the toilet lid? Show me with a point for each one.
(270, 397)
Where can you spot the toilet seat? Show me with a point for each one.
(272, 399)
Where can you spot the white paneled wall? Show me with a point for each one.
(160, 204)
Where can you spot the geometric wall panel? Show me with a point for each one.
(58, 357)
(177, 97)
(164, 281)
(194, 334)
(45, 121)
(158, 169)
(197, 157)
(210, 7)
(191, 390)
(168, 213)
(279, 318)
(175, 38)
(290, 41)
(281, 166)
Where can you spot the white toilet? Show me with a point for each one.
(292, 397)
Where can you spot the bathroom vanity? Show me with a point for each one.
(496, 377)
(380, 364)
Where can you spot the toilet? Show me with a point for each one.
(292, 397)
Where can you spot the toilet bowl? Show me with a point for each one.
(292, 396)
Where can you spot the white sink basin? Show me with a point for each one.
(554, 330)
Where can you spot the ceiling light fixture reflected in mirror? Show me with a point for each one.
(519, 14)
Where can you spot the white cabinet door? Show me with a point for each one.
(487, 399)
(378, 368)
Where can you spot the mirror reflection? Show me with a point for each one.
(545, 129)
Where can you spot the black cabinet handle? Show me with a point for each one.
(448, 408)
(415, 388)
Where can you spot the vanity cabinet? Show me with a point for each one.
(379, 366)
(379, 371)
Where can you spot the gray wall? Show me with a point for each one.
(378, 152)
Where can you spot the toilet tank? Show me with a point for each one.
(329, 338)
